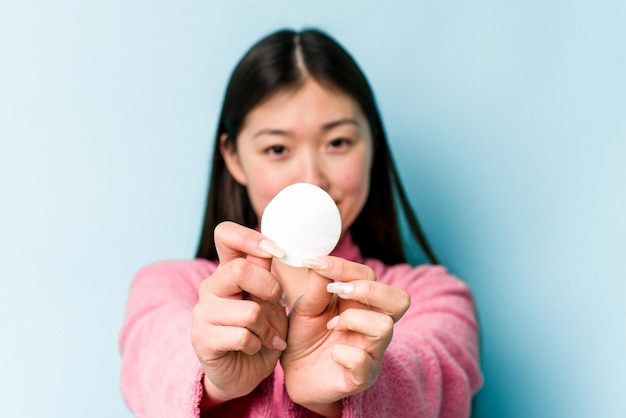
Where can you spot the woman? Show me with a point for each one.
(358, 333)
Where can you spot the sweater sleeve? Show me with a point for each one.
(161, 375)
(431, 368)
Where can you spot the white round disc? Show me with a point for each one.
(303, 220)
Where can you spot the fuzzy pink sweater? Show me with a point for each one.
(430, 369)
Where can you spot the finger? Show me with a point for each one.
(387, 299)
(275, 314)
(337, 268)
(243, 314)
(322, 271)
(375, 325)
(223, 339)
(361, 368)
(240, 275)
(235, 241)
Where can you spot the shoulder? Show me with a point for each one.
(423, 277)
(437, 296)
(401, 275)
(180, 268)
(403, 271)
(177, 273)
(165, 285)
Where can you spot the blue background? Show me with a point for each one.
(507, 120)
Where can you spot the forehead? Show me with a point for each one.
(308, 106)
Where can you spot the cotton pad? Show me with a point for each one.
(303, 220)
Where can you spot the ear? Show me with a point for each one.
(233, 164)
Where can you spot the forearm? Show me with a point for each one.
(160, 373)
(418, 382)
(431, 368)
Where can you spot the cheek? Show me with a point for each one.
(261, 189)
(355, 182)
(356, 179)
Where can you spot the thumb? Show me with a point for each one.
(266, 263)
(316, 298)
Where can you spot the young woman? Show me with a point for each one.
(359, 333)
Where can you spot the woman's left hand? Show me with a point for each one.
(335, 344)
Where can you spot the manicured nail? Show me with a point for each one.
(333, 322)
(271, 248)
(315, 263)
(340, 288)
(278, 343)
(284, 300)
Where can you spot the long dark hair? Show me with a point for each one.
(283, 60)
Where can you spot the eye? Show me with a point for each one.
(276, 150)
(339, 143)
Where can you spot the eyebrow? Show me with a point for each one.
(326, 127)
(334, 124)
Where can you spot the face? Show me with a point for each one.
(311, 135)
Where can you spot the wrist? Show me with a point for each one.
(211, 396)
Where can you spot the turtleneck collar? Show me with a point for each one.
(347, 249)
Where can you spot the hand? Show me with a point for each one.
(336, 343)
(239, 325)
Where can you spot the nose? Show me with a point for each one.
(313, 170)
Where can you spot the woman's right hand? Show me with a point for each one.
(239, 324)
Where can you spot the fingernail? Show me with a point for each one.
(284, 300)
(340, 288)
(333, 322)
(271, 248)
(278, 343)
(315, 263)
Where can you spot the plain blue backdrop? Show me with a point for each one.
(507, 120)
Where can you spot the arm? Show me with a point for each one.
(189, 343)
(339, 330)
(431, 368)
(161, 375)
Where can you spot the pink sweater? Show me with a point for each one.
(430, 369)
